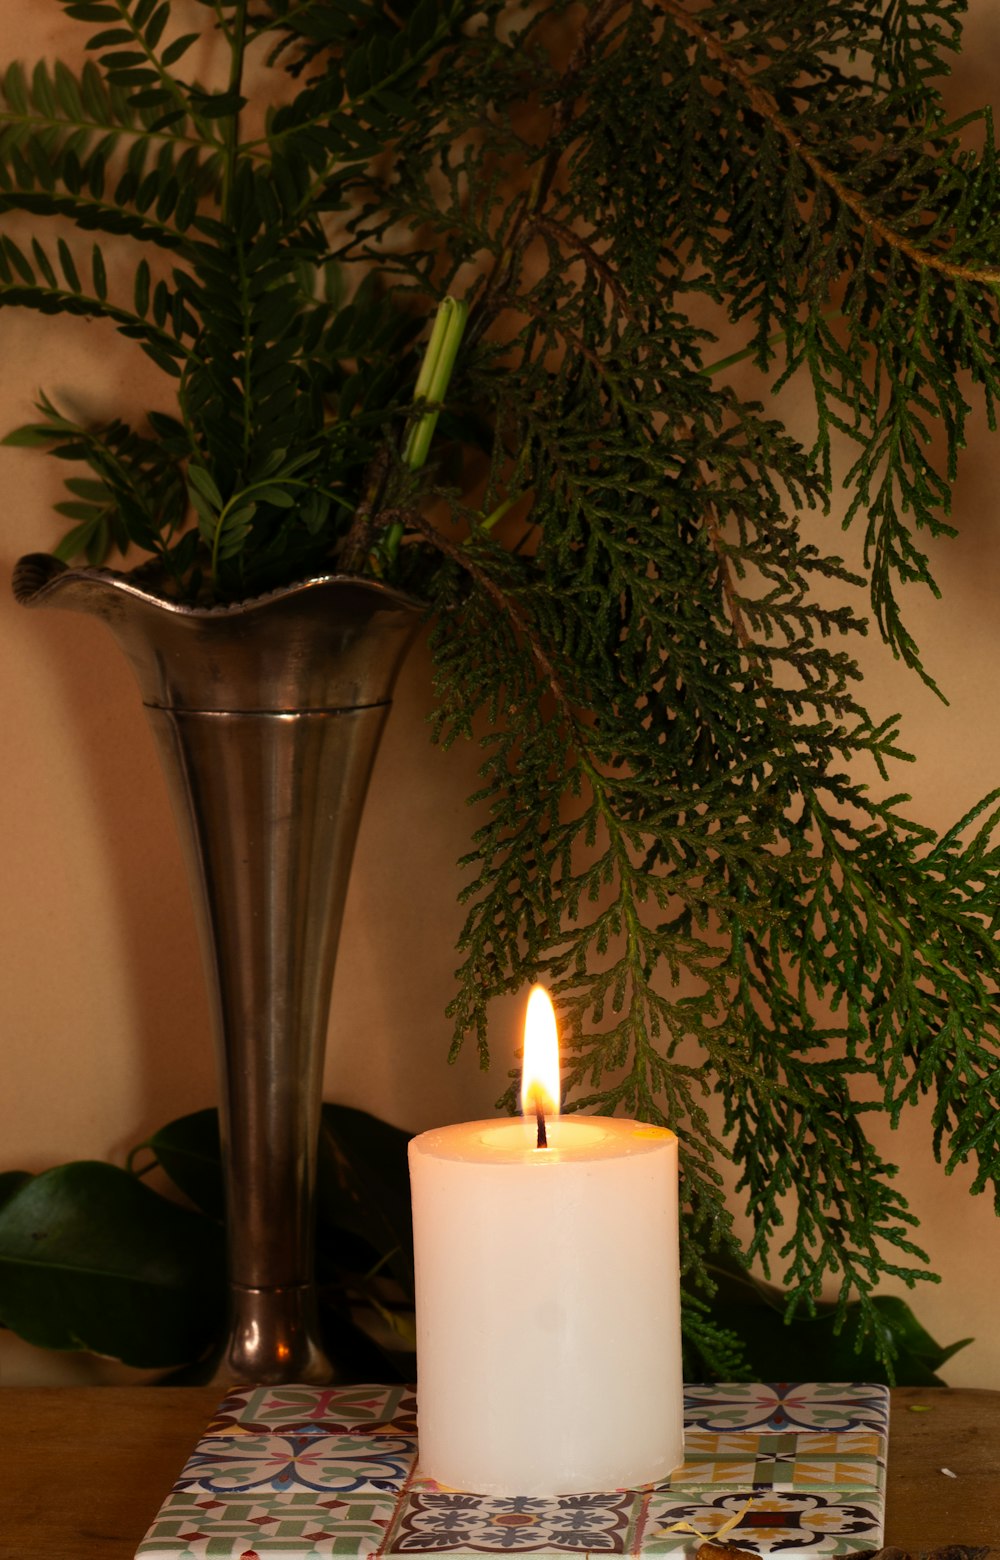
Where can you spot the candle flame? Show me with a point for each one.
(540, 1087)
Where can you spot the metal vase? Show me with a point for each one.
(268, 716)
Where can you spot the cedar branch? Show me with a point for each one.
(764, 104)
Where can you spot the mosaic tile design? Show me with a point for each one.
(313, 1473)
(782, 1460)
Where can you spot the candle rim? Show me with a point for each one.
(460, 1140)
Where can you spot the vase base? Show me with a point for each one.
(274, 1337)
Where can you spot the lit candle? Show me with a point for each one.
(548, 1296)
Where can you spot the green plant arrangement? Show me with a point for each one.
(440, 296)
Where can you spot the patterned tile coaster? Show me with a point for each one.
(431, 1520)
(290, 1523)
(312, 1473)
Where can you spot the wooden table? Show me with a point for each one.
(85, 1468)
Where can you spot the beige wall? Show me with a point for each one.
(103, 1020)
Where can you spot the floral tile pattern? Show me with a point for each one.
(323, 1410)
(791, 1526)
(324, 1464)
(785, 1405)
(315, 1473)
(431, 1520)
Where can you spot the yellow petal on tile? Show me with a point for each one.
(733, 1522)
(719, 1532)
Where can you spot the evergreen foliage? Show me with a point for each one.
(680, 839)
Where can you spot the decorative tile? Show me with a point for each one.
(324, 1464)
(789, 1526)
(432, 1521)
(324, 1410)
(787, 1405)
(849, 1460)
(295, 1525)
(312, 1473)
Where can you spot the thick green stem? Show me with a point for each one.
(434, 378)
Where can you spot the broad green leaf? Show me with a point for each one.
(91, 1258)
(162, 358)
(123, 60)
(268, 465)
(100, 274)
(234, 528)
(158, 21)
(110, 38)
(363, 1188)
(207, 516)
(44, 263)
(41, 90)
(75, 510)
(87, 538)
(281, 497)
(15, 88)
(32, 436)
(17, 259)
(11, 1181)
(811, 1348)
(69, 266)
(188, 1149)
(911, 1337)
(173, 52)
(363, 1184)
(204, 483)
(161, 303)
(142, 282)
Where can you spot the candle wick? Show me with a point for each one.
(543, 1137)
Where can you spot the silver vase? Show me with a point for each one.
(268, 716)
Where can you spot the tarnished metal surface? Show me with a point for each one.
(268, 717)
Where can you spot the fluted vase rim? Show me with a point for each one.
(39, 578)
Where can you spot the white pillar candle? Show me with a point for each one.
(548, 1305)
